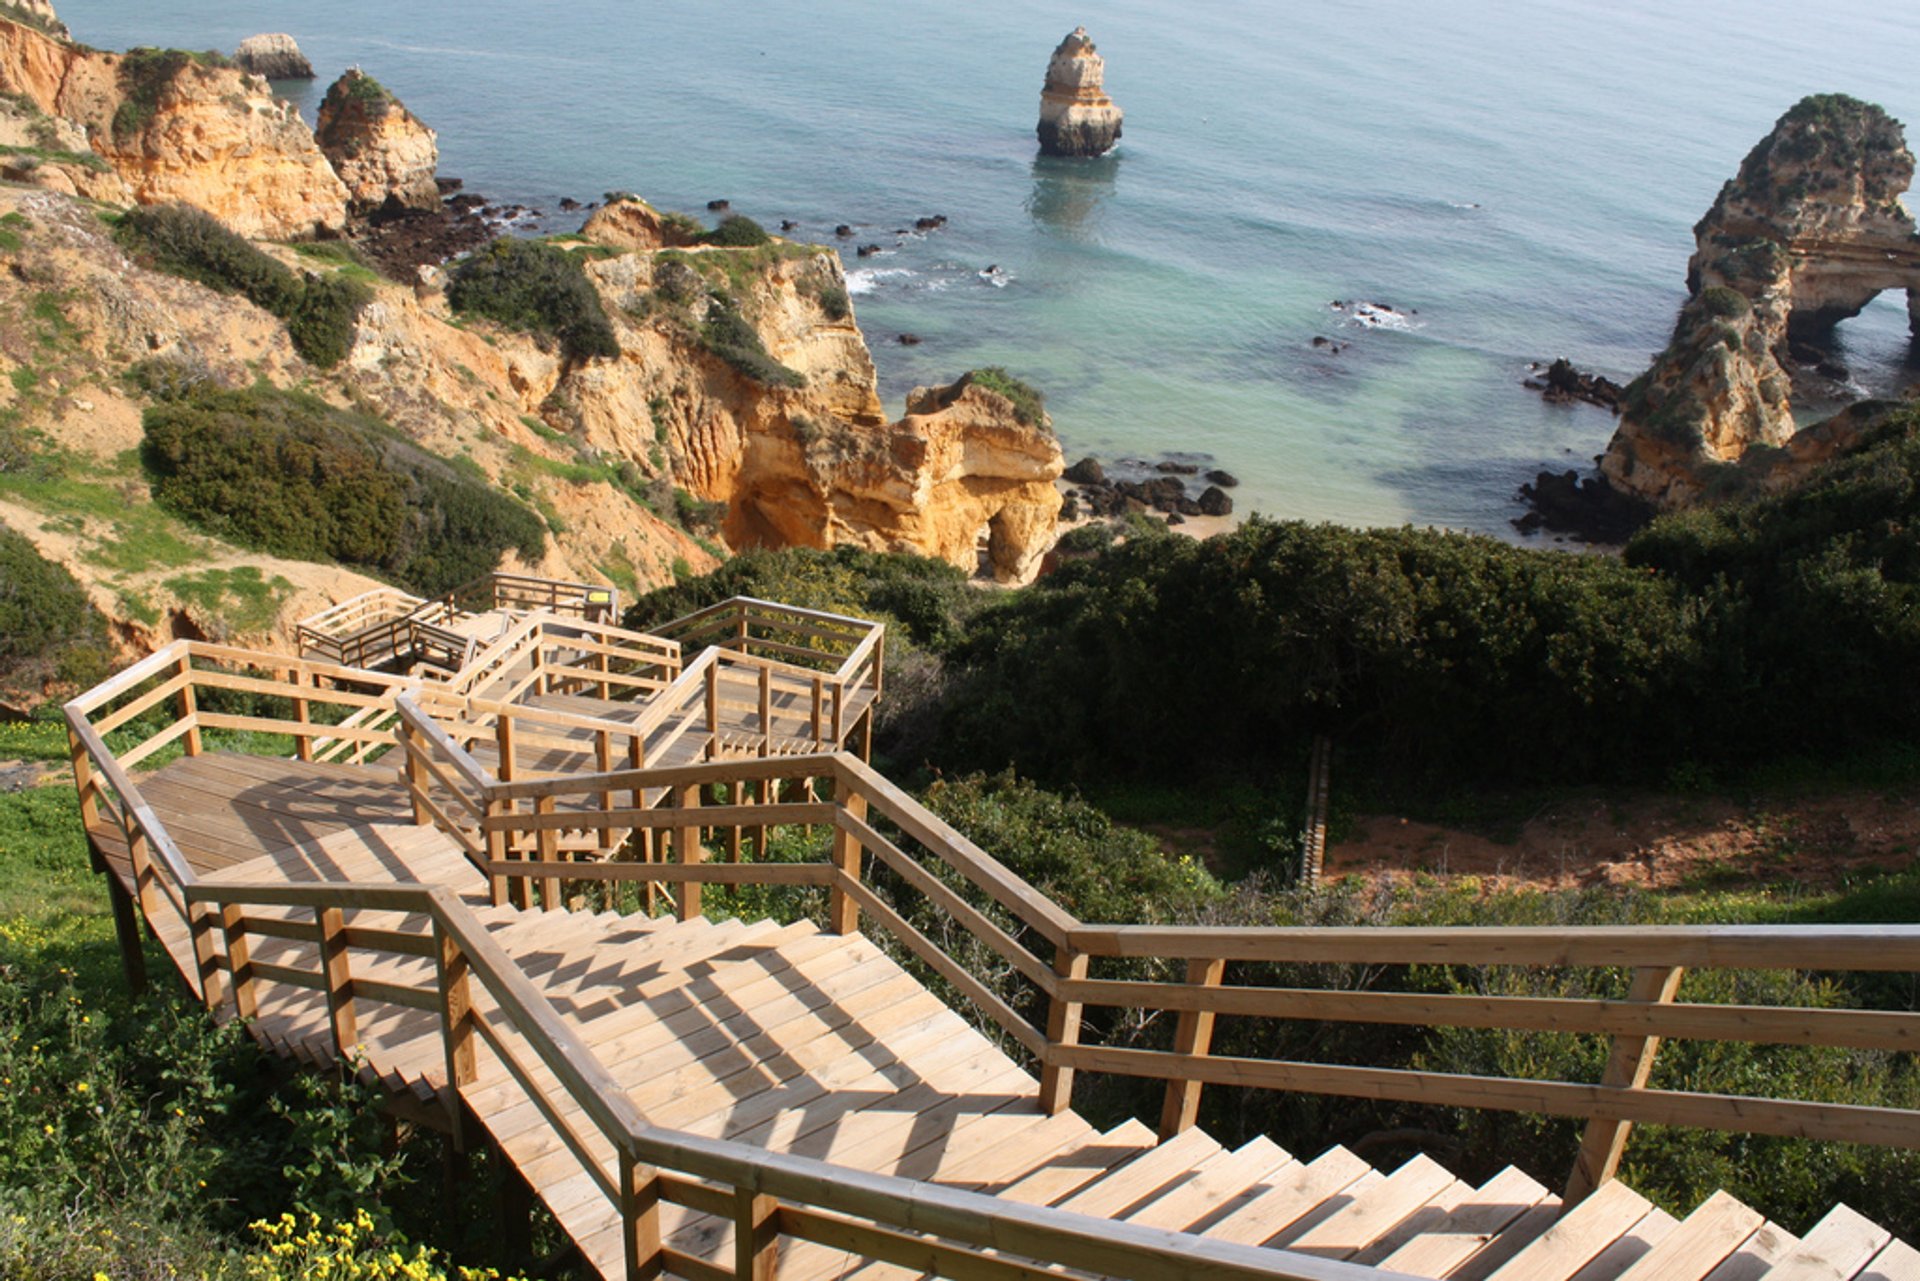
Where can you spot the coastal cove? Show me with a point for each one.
(1522, 178)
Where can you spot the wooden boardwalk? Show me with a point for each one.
(715, 1097)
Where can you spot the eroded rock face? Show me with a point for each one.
(274, 55)
(631, 223)
(382, 152)
(174, 129)
(1806, 235)
(1076, 116)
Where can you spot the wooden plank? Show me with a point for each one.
(1727, 947)
(1298, 1190)
(1581, 1234)
(1840, 1245)
(1433, 1243)
(1898, 1261)
(1629, 1066)
(1700, 1244)
(1632, 1245)
(1757, 1255)
(1237, 1174)
(1144, 1177)
(1077, 1165)
(1373, 1213)
(1789, 1118)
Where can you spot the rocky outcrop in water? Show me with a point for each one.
(1076, 116)
(382, 152)
(274, 55)
(1810, 230)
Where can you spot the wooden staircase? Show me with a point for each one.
(722, 1098)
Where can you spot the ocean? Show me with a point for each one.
(1516, 181)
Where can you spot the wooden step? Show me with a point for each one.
(1298, 1190)
(1897, 1262)
(1702, 1242)
(1114, 1194)
(1757, 1254)
(1373, 1212)
(1839, 1245)
(1242, 1173)
(1629, 1247)
(1579, 1236)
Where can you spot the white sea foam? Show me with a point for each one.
(865, 280)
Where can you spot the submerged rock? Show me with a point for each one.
(1804, 237)
(382, 151)
(274, 55)
(1076, 116)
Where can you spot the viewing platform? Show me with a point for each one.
(480, 883)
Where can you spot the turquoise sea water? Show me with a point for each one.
(1525, 176)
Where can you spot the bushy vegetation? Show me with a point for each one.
(290, 474)
(737, 231)
(145, 74)
(1029, 406)
(730, 336)
(319, 310)
(48, 627)
(530, 285)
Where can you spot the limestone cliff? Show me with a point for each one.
(628, 222)
(1076, 116)
(275, 55)
(380, 150)
(1803, 238)
(175, 127)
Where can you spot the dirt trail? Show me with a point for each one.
(1653, 842)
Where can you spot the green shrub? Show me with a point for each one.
(145, 74)
(292, 475)
(728, 335)
(532, 286)
(1029, 406)
(835, 302)
(1728, 304)
(44, 612)
(319, 311)
(737, 231)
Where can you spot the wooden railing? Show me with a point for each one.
(530, 592)
(542, 654)
(984, 935)
(364, 631)
(831, 661)
(457, 970)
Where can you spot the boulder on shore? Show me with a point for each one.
(274, 55)
(1076, 116)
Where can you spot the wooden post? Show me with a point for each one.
(713, 710)
(126, 929)
(456, 1025)
(813, 720)
(146, 888)
(1063, 1028)
(206, 959)
(1628, 1067)
(338, 979)
(303, 713)
(686, 848)
(766, 711)
(603, 761)
(519, 890)
(188, 707)
(548, 841)
(414, 746)
(1192, 1035)
(756, 1235)
(233, 920)
(847, 849)
(640, 1219)
(497, 884)
(84, 782)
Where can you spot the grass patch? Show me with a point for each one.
(243, 598)
(1029, 406)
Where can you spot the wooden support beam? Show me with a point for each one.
(338, 978)
(1628, 1067)
(233, 921)
(1063, 1028)
(640, 1219)
(303, 713)
(206, 958)
(549, 845)
(1192, 1035)
(188, 707)
(126, 930)
(686, 849)
(456, 1026)
(756, 1236)
(847, 848)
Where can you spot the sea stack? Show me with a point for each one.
(273, 55)
(382, 151)
(1802, 238)
(1076, 116)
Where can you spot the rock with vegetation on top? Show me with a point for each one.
(1804, 237)
(382, 152)
(628, 222)
(1076, 116)
(274, 55)
(41, 15)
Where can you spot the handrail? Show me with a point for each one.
(1041, 1233)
